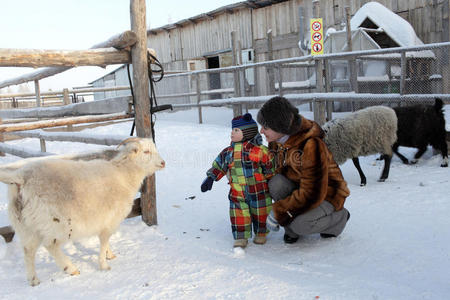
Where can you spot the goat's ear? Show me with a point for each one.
(133, 148)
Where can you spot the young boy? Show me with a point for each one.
(248, 165)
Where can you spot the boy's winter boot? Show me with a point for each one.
(242, 243)
(260, 240)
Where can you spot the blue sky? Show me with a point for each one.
(80, 24)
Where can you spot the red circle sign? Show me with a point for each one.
(316, 26)
(317, 36)
(317, 47)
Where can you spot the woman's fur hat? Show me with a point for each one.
(280, 115)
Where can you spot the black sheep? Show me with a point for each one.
(419, 126)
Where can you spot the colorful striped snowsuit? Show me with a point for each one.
(247, 165)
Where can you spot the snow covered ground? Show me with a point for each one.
(395, 246)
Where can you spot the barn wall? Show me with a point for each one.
(181, 43)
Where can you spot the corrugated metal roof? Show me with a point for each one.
(253, 4)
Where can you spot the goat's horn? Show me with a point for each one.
(131, 139)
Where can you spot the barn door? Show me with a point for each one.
(214, 78)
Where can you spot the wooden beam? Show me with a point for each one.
(2, 138)
(21, 151)
(136, 209)
(142, 105)
(99, 107)
(62, 122)
(35, 58)
(120, 41)
(78, 137)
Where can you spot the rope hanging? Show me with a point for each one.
(154, 107)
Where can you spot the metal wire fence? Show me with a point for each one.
(342, 81)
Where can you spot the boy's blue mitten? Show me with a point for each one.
(271, 222)
(207, 184)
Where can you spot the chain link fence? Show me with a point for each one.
(347, 81)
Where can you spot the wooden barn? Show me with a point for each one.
(205, 41)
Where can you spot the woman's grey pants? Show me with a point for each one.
(322, 219)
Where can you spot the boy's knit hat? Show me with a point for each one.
(280, 115)
(247, 125)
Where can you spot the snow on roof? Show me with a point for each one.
(395, 26)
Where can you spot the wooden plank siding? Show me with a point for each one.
(210, 34)
(192, 40)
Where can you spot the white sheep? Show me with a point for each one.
(365, 132)
(56, 200)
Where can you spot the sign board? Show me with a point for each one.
(316, 29)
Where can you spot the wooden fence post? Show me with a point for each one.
(242, 81)
(66, 101)
(2, 138)
(237, 108)
(329, 105)
(353, 77)
(270, 74)
(319, 105)
(280, 80)
(37, 91)
(197, 86)
(403, 74)
(142, 105)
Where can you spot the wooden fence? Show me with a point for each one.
(99, 55)
(322, 82)
(77, 113)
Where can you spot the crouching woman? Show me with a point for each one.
(308, 189)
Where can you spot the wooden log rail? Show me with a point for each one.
(62, 122)
(121, 42)
(60, 92)
(62, 58)
(107, 106)
(21, 152)
(76, 137)
(66, 59)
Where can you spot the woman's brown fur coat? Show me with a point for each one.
(306, 160)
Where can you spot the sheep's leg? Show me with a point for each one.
(395, 149)
(30, 247)
(61, 260)
(387, 166)
(360, 171)
(419, 154)
(104, 249)
(444, 151)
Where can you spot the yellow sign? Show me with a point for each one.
(316, 29)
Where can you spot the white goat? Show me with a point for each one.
(56, 200)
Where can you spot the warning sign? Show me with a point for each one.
(316, 36)
(317, 47)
